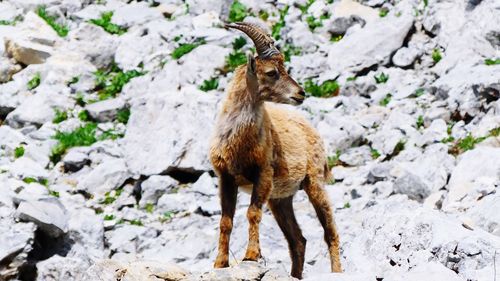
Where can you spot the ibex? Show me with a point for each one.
(270, 152)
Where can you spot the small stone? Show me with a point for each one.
(47, 213)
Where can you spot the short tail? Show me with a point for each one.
(327, 173)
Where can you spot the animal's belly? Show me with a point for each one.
(280, 190)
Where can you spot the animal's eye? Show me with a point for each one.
(272, 74)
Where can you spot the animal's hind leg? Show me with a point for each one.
(319, 199)
(283, 212)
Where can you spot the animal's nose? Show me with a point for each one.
(302, 93)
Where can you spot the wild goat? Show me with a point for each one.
(270, 152)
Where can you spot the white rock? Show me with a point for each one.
(149, 132)
(106, 176)
(47, 213)
(16, 241)
(352, 54)
(106, 110)
(135, 13)
(205, 185)
(472, 165)
(26, 168)
(154, 187)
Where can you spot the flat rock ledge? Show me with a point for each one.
(111, 270)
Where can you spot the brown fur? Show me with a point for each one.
(270, 152)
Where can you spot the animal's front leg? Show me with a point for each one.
(228, 194)
(260, 194)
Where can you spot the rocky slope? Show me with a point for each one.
(107, 107)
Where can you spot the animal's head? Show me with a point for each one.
(266, 74)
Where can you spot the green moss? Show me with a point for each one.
(375, 154)
(436, 55)
(61, 30)
(326, 89)
(386, 100)
(334, 160)
(149, 208)
(210, 84)
(238, 43)
(109, 217)
(123, 115)
(186, 48)
(420, 122)
(383, 12)
(105, 22)
(289, 50)
(276, 29)
(492, 61)
(82, 136)
(59, 116)
(237, 11)
(110, 82)
(34, 82)
(18, 152)
(381, 78)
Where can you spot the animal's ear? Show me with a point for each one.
(251, 65)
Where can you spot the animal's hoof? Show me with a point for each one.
(252, 255)
(221, 264)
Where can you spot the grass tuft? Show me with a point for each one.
(110, 83)
(208, 85)
(386, 100)
(82, 136)
(420, 122)
(186, 48)
(34, 82)
(123, 115)
(237, 11)
(492, 61)
(436, 55)
(105, 22)
(18, 152)
(60, 116)
(328, 88)
(381, 78)
(383, 12)
(60, 29)
(276, 29)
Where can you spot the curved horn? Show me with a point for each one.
(262, 41)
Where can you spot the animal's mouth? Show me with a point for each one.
(298, 100)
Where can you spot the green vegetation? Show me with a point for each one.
(334, 160)
(289, 50)
(237, 57)
(186, 48)
(386, 100)
(237, 12)
(43, 182)
(80, 99)
(352, 78)
(73, 80)
(426, 3)
(383, 12)
(149, 208)
(276, 29)
(239, 42)
(400, 146)
(469, 142)
(111, 196)
(495, 132)
(59, 116)
(18, 151)
(381, 78)
(209, 85)
(123, 115)
(136, 222)
(167, 216)
(305, 8)
(420, 122)
(436, 55)
(336, 38)
(375, 154)
(347, 205)
(82, 136)
(492, 61)
(11, 22)
(328, 88)
(61, 30)
(109, 83)
(419, 92)
(107, 25)
(34, 82)
(84, 115)
(109, 217)
(263, 15)
(314, 23)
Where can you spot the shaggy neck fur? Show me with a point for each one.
(242, 116)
